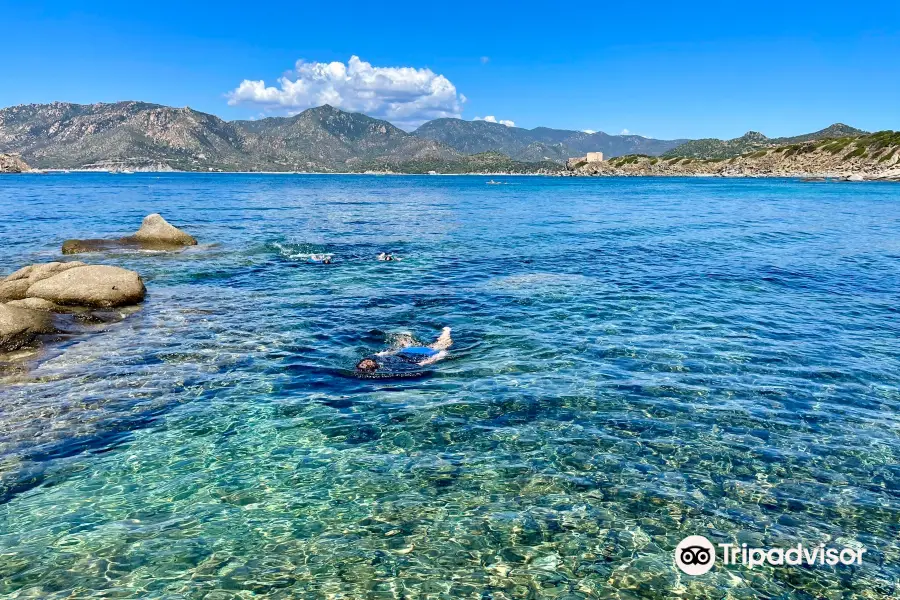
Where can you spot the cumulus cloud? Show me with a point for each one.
(493, 119)
(624, 132)
(588, 131)
(406, 96)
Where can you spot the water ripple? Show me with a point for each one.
(634, 361)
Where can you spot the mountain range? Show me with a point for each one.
(141, 135)
(150, 136)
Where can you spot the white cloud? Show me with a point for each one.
(493, 119)
(588, 131)
(406, 96)
(485, 60)
(624, 132)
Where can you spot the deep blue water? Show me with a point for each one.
(635, 360)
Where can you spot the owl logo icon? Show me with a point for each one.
(695, 555)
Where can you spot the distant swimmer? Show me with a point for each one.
(398, 360)
(388, 256)
(324, 259)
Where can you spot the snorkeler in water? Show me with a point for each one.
(406, 353)
(388, 256)
(324, 259)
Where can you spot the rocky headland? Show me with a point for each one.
(854, 158)
(12, 163)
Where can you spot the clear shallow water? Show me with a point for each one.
(635, 361)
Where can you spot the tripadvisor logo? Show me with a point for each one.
(696, 555)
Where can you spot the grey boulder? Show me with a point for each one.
(155, 229)
(95, 286)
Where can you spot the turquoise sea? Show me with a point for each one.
(635, 361)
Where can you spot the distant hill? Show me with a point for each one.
(541, 143)
(124, 134)
(838, 130)
(753, 140)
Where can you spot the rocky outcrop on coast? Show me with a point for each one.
(868, 157)
(11, 163)
(155, 233)
(49, 298)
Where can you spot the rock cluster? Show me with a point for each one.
(33, 295)
(48, 298)
(155, 234)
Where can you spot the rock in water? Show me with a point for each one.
(155, 234)
(96, 286)
(155, 229)
(19, 326)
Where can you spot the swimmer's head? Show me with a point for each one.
(367, 365)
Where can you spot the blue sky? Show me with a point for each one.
(667, 70)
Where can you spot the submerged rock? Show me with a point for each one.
(20, 326)
(155, 234)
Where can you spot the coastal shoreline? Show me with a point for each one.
(811, 177)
